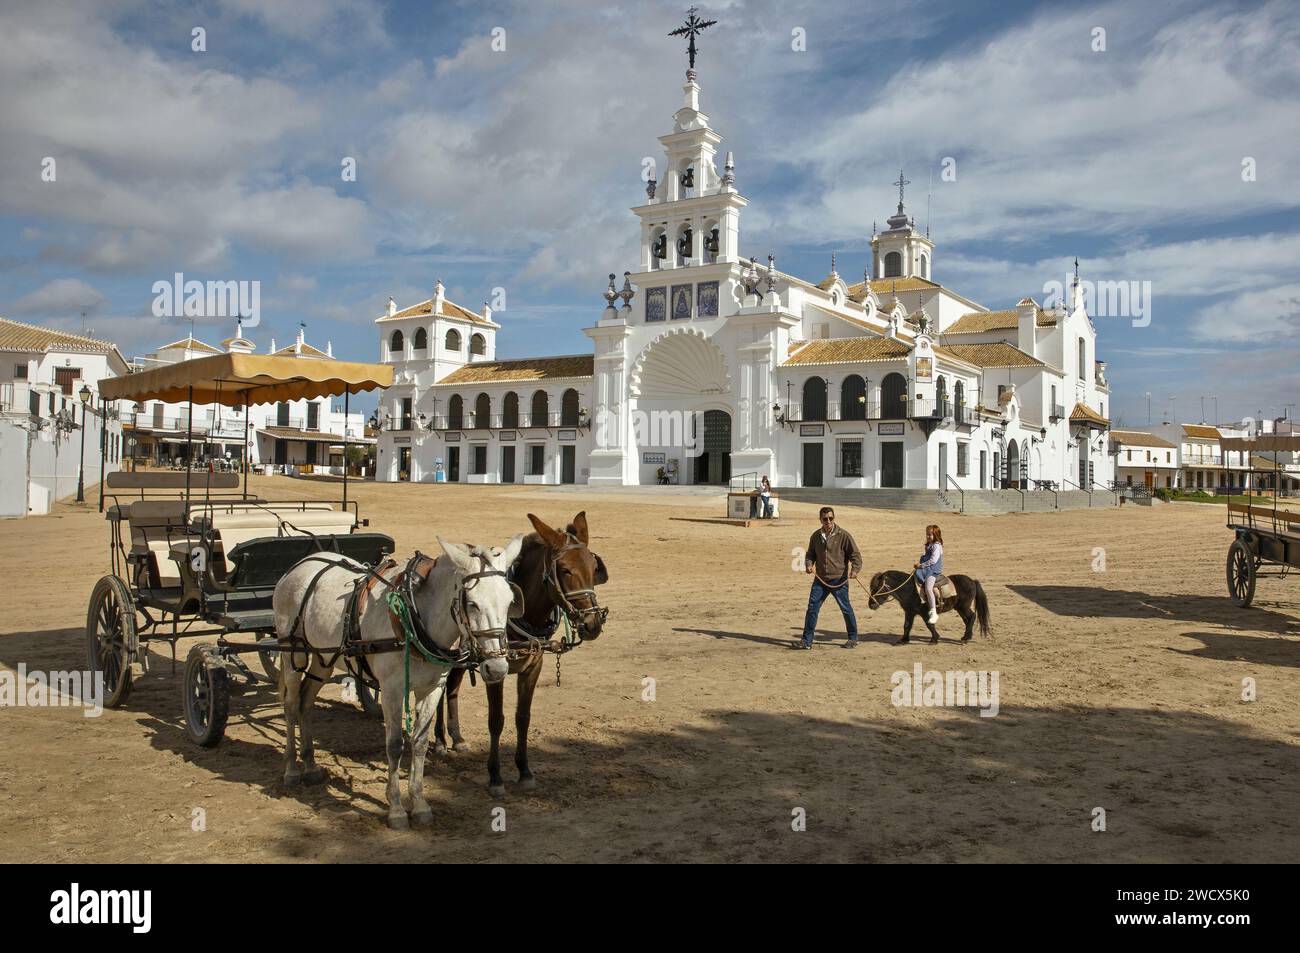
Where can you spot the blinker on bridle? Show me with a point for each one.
(577, 615)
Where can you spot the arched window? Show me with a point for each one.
(894, 265)
(1083, 359)
(569, 408)
(396, 344)
(541, 408)
(452, 341)
(483, 411)
(477, 344)
(925, 266)
(959, 398)
(814, 399)
(510, 410)
(941, 396)
(421, 339)
(853, 398)
(893, 397)
(455, 413)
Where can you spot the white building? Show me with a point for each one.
(732, 367)
(306, 434)
(43, 423)
(1145, 459)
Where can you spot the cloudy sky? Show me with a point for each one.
(1157, 142)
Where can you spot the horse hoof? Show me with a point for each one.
(422, 819)
(497, 790)
(399, 821)
(292, 778)
(439, 748)
(528, 783)
(935, 640)
(314, 775)
(461, 744)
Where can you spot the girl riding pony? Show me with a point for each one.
(931, 566)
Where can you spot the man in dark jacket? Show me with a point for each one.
(834, 558)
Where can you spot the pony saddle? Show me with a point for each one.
(944, 589)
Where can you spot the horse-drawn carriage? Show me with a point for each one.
(193, 553)
(1266, 536)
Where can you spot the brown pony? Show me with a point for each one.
(970, 602)
(558, 575)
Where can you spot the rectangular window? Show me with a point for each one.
(963, 459)
(1129, 456)
(282, 414)
(313, 415)
(536, 459)
(64, 376)
(20, 372)
(478, 458)
(850, 458)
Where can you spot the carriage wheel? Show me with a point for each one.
(110, 637)
(207, 699)
(269, 664)
(1241, 573)
(369, 699)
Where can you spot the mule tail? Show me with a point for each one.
(982, 610)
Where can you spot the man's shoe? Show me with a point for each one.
(851, 644)
(800, 644)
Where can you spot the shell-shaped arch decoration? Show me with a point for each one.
(680, 363)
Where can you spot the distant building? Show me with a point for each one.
(1144, 459)
(300, 433)
(42, 371)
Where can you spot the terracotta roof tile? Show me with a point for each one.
(523, 369)
(1139, 438)
(1088, 415)
(449, 310)
(1201, 431)
(849, 351)
(17, 336)
(998, 354)
(978, 321)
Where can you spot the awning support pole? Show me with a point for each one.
(247, 451)
(346, 395)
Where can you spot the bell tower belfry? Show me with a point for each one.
(901, 251)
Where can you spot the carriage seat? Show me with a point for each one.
(229, 529)
(155, 526)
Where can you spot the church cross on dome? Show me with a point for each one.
(692, 28)
(900, 183)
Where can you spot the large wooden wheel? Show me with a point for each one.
(1242, 564)
(111, 638)
(270, 663)
(368, 698)
(207, 699)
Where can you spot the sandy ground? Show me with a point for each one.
(1119, 689)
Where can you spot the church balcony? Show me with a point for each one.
(521, 421)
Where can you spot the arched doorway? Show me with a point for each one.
(893, 397)
(1012, 479)
(713, 465)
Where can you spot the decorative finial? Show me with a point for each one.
(650, 187)
(729, 173)
(771, 274)
(628, 291)
(900, 183)
(692, 28)
(611, 294)
(866, 279)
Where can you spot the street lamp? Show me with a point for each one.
(84, 394)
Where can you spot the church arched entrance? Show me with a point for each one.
(713, 465)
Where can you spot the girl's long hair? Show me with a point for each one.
(934, 533)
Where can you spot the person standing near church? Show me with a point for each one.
(833, 558)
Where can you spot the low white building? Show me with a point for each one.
(48, 437)
(302, 434)
(1145, 459)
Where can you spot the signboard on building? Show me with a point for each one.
(812, 430)
(507, 435)
(654, 458)
(568, 435)
(453, 438)
(890, 430)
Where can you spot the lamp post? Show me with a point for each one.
(84, 394)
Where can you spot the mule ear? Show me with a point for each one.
(579, 527)
(458, 553)
(511, 551)
(550, 537)
(602, 574)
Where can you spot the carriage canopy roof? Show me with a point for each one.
(1262, 443)
(239, 379)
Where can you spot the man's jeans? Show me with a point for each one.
(815, 599)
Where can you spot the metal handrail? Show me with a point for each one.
(1021, 492)
(731, 483)
(1077, 487)
(1111, 492)
(1056, 497)
(949, 479)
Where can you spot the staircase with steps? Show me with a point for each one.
(977, 502)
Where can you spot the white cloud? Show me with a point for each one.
(61, 296)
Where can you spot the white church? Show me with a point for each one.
(707, 365)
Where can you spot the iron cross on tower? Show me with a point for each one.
(692, 28)
(900, 183)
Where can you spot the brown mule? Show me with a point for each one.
(558, 575)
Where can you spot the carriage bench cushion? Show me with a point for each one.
(232, 529)
(261, 563)
(155, 525)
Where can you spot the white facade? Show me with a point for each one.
(298, 433)
(47, 437)
(732, 368)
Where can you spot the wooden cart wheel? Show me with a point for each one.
(1241, 573)
(206, 692)
(269, 663)
(369, 699)
(110, 637)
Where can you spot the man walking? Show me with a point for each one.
(834, 558)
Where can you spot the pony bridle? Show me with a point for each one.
(471, 649)
(581, 618)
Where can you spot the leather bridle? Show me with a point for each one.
(580, 617)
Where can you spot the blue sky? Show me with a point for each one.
(515, 168)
